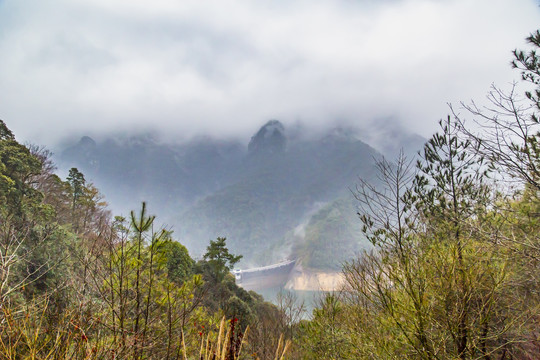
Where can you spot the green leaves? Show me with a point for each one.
(450, 179)
(76, 181)
(5, 133)
(179, 263)
(17, 169)
(143, 223)
(219, 259)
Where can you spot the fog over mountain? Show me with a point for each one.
(286, 194)
(221, 68)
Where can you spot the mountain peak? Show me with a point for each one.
(87, 142)
(270, 139)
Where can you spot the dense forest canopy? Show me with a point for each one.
(453, 272)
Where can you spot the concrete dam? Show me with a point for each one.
(275, 275)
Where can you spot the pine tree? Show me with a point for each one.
(220, 260)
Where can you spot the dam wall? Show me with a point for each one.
(289, 275)
(265, 277)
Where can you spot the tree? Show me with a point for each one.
(326, 336)
(24, 238)
(434, 286)
(387, 287)
(507, 134)
(18, 169)
(76, 180)
(450, 195)
(219, 259)
(179, 263)
(508, 130)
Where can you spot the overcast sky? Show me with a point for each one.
(225, 67)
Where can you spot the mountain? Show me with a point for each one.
(278, 190)
(270, 139)
(281, 196)
(169, 176)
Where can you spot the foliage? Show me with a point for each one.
(324, 336)
(179, 263)
(219, 259)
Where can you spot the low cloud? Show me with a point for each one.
(224, 67)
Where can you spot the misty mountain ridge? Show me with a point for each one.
(281, 196)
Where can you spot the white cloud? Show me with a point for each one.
(225, 67)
